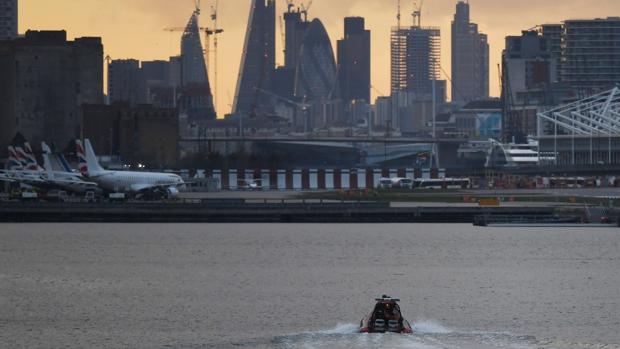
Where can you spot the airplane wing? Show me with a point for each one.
(145, 187)
(73, 182)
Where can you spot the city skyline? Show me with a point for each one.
(115, 21)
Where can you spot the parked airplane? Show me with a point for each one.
(125, 181)
(24, 169)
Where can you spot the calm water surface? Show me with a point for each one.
(306, 286)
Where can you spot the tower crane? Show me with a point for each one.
(417, 13)
(215, 32)
(305, 9)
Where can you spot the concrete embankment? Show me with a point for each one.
(239, 211)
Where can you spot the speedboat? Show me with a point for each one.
(385, 317)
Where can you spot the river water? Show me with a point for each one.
(306, 286)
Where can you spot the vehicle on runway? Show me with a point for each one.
(385, 317)
(143, 184)
(396, 183)
(250, 184)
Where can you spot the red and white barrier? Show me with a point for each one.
(314, 179)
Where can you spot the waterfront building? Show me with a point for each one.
(258, 58)
(45, 80)
(8, 19)
(591, 54)
(138, 134)
(354, 61)
(470, 58)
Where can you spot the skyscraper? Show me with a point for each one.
(470, 58)
(315, 78)
(196, 96)
(416, 60)
(8, 19)
(258, 58)
(354, 61)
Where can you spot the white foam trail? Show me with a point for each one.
(429, 327)
(342, 329)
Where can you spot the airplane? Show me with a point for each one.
(24, 169)
(125, 181)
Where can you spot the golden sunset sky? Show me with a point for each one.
(134, 28)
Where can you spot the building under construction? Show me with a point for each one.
(196, 97)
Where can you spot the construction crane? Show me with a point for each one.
(305, 9)
(283, 37)
(417, 13)
(215, 32)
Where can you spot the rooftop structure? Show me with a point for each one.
(586, 132)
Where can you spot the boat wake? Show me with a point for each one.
(427, 335)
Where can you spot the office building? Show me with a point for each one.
(258, 58)
(470, 58)
(8, 19)
(45, 80)
(354, 61)
(591, 54)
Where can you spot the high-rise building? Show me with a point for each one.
(591, 54)
(354, 61)
(416, 60)
(8, 19)
(470, 58)
(296, 27)
(258, 58)
(196, 90)
(126, 82)
(527, 63)
(315, 78)
(45, 81)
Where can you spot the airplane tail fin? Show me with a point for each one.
(13, 164)
(33, 165)
(47, 164)
(88, 160)
(21, 157)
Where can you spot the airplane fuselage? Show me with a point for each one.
(127, 181)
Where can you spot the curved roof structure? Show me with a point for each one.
(316, 71)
